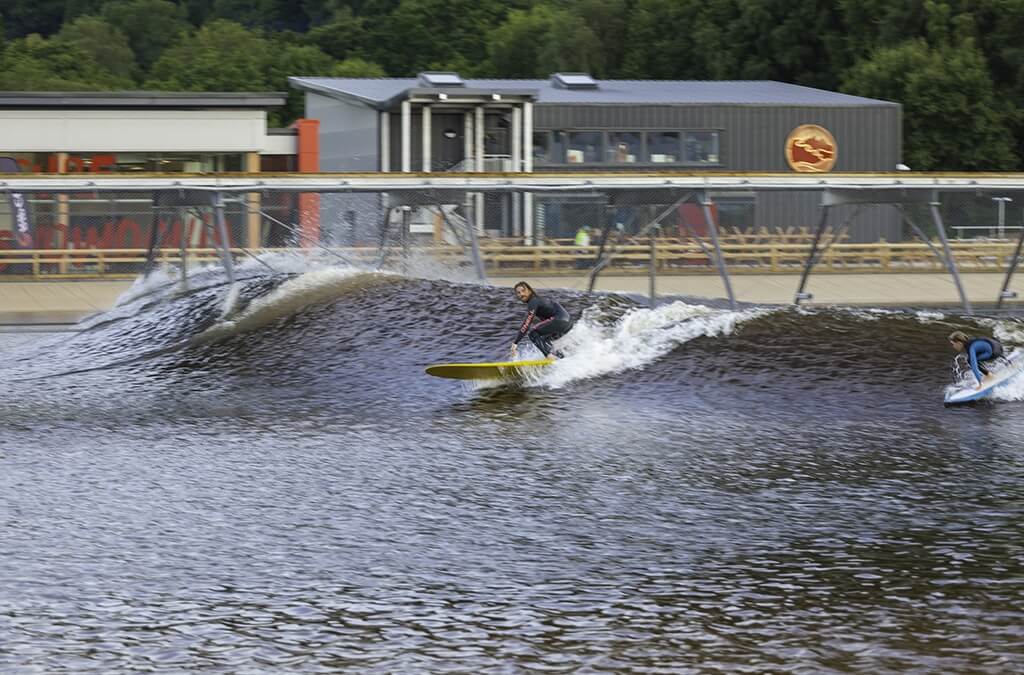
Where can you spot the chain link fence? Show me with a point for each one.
(504, 229)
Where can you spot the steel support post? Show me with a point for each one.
(1004, 292)
(719, 258)
(950, 263)
(404, 236)
(822, 223)
(155, 237)
(474, 243)
(183, 250)
(222, 234)
(652, 267)
(601, 261)
(920, 234)
(294, 230)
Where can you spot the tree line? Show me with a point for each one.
(956, 66)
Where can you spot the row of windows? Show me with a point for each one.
(165, 162)
(626, 147)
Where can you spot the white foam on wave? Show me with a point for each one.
(161, 277)
(166, 279)
(293, 294)
(1008, 331)
(928, 316)
(1011, 391)
(869, 313)
(636, 340)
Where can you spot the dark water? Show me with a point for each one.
(691, 490)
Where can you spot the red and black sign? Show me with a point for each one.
(21, 215)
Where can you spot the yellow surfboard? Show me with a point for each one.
(503, 370)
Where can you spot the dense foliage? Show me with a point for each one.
(957, 66)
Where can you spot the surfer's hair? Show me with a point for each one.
(959, 336)
(523, 284)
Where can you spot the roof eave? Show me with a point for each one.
(304, 85)
(456, 95)
(142, 99)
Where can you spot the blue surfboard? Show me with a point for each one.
(967, 391)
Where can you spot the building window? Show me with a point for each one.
(700, 147)
(584, 147)
(132, 161)
(735, 211)
(624, 147)
(663, 147)
(557, 151)
(541, 147)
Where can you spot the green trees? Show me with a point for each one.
(226, 56)
(419, 35)
(340, 35)
(35, 63)
(23, 17)
(105, 44)
(957, 66)
(543, 40)
(221, 56)
(956, 116)
(950, 112)
(357, 67)
(150, 25)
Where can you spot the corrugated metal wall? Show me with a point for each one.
(349, 141)
(349, 135)
(445, 152)
(752, 138)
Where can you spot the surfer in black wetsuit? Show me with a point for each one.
(553, 321)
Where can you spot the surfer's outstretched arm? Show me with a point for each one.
(979, 349)
(525, 328)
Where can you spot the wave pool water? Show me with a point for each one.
(692, 489)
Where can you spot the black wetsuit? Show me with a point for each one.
(554, 322)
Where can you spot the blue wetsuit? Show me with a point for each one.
(980, 350)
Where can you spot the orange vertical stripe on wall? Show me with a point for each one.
(309, 162)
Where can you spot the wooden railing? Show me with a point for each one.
(672, 256)
(789, 235)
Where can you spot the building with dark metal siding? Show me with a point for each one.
(571, 122)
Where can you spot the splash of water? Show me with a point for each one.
(292, 295)
(636, 340)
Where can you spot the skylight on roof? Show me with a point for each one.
(573, 81)
(435, 79)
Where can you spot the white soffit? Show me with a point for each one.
(132, 130)
(280, 144)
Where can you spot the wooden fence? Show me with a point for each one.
(671, 256)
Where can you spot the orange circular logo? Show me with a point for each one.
(810, 149)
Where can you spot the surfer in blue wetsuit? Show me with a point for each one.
(978, 350)
(553, 321)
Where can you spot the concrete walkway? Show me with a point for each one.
(874, 290)
(27, 303)
(55, 302)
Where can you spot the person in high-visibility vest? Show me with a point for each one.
(582, 239)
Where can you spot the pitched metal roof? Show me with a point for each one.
(379, 91)
(141, 99)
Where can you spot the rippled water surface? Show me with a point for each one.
(690, 490)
